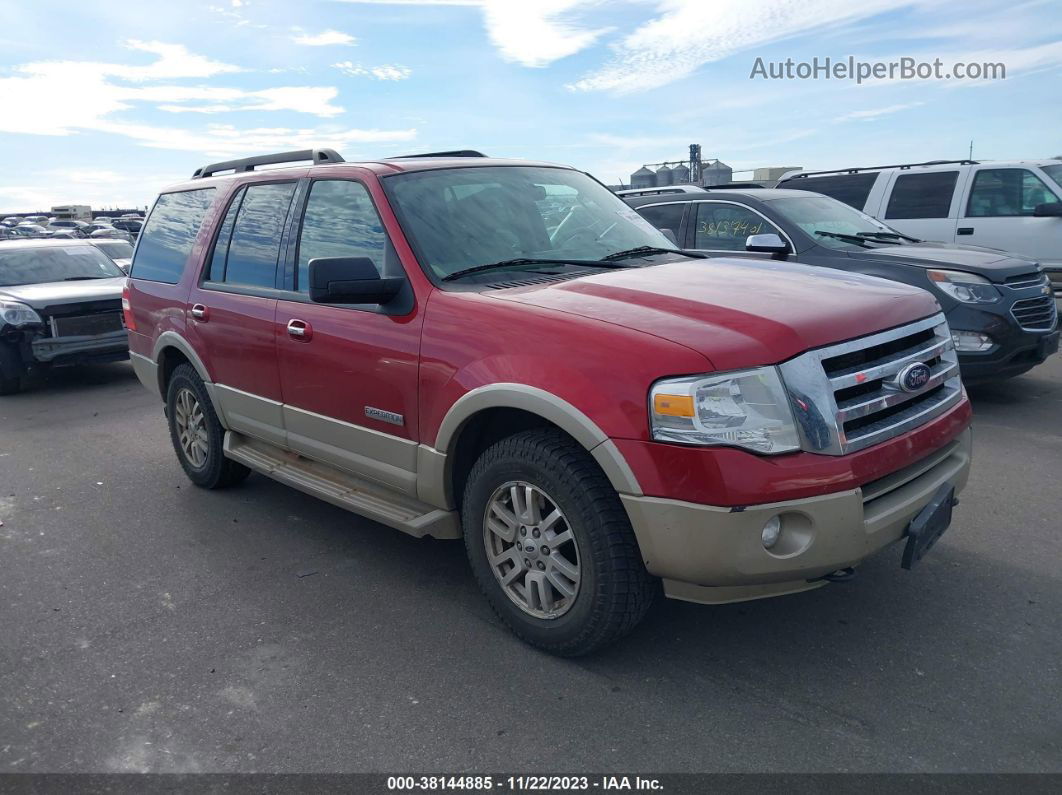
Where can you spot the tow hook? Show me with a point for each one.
(841, 575)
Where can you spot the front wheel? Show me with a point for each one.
(197, 434)
(551, 545)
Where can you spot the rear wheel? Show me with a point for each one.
(197, 434)
(551, 545)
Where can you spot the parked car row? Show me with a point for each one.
(124, 228)
(726, 395)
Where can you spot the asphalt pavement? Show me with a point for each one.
(146, 625)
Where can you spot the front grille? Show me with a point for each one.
(86, 325)
(1024, 280)
(1035, 314)
(849, 396)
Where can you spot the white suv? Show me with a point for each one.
(1014, 205)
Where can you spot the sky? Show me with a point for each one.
(104, 103)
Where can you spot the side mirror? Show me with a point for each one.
(350, 280)
(769, 243)
(1048, 210)
(670, 235)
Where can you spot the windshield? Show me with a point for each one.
(115, 249)
(54, 264)
(1054, 172)
(822, 214)
(463, 217)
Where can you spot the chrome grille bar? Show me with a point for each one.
(862, 404)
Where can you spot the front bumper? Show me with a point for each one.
(1015, 350)
(112, 346)
(714, 554)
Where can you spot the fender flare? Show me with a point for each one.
(536, 401)
(171, 339)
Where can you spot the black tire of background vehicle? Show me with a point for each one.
(616, 590)
(218, 471)
(10, 367)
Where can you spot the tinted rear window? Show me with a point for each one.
(252, 248)
(852, 189)
(169, 234)
(922, 195)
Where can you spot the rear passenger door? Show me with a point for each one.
(923, 204)
(348, 372)
(232, 310)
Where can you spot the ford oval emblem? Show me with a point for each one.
(913, 377)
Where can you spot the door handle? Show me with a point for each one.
(200, 312)
(300, 330)
(964, 230)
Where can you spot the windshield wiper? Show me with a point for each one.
(511, 263)
(639, 250)
(889, 236)
(859, 241)
(82, 278)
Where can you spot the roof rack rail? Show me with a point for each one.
(659, 190)
(878, 168)
(451, 153)
(734, 186)
(243, 165)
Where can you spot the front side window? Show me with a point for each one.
(169, 235)
(925, 195)
(458, 218)
(726, 227)
(852, 189)
(1002, 192)
(55, 264)
(253, 248)
(341, 221)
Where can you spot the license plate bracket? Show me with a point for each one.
(928, 526)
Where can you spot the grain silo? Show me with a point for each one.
(643, 178)
(663, 176)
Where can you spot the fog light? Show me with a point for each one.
(971, 341)
(771, 531)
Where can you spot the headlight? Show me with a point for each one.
(14, 314)
(966, 287)
(745, 408)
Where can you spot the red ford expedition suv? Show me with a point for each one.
(504, 352)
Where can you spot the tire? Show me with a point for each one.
(11, 364)
(202, 459)
(593, 538)
(10, 386)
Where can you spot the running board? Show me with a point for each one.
(343, 489)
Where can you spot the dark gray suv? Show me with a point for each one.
(999, 306)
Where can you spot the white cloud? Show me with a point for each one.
(106, 90)
(690, 33)
(325, 38)
(383, 72)
(873, 114)
(533, 33)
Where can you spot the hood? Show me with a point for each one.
(737, 313)
(994, 264)
(39, 296)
